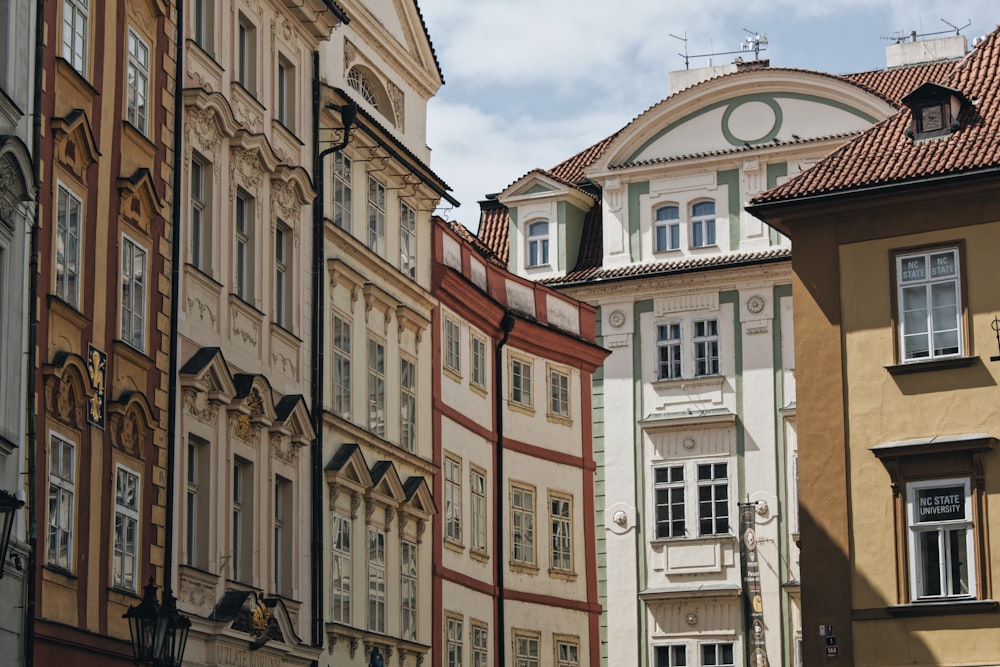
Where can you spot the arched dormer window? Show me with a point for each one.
(538, 243)
(667, 229)
(364, 81)
(703, 224)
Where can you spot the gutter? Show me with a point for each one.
(316, 458)
(506, 326)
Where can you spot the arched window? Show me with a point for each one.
(667, 229)
(703, 224)
(367, 84)
(538, 243)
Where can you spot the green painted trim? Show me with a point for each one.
(635, 190)
(561, 260)
(597, 385)
(513, 242)
(640, 308)
(766, 98)
(732, 297)
(774, 172)
(767, 136)
(781, 291)
(731, 179)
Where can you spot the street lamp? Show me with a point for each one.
(9, 503)
(159, 633)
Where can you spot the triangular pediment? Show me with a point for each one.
(419, 498)
(348, 465)
(540, 186)
(76, 148)
(207, 371)
(254, 398)
(292, 416)
(386, 481)
(140, 202)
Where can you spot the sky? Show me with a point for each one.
(529, 83)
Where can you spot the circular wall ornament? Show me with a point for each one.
(620, 518)
(692, 619)
(688, 443)
(616, 319)
(756, 303)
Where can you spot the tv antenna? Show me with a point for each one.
(754, 41)
(899, 37)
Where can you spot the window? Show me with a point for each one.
(341, 367)
(706, 347)
(75, 34)
(62, 490)
(668, 486)
(407, 405)
(367, 84)
(522, 507)
(478, 362)
(453, 639)
(520, 382)
(717, 655)
(242, 557)
(561, 521)
(283, 276)
(197, 510)
(941, 547)
(69, 217)
(668, 351)
(284, 536)
(286, 94)
(538, 243)
(126, 540)
(407, 241)
(376, 217)
(480, 645)
(341, 563)
(452, 342)
(246, 54)
(667, 229)
(203, 24)
(137, 96)
(670, 656)
(244, 246)
(525, 650)
(713, 499)
(134, 277)
(477, 479)
(930, 301)
(376, 387)
(408, 580)
(703, 224)
(342, 191)
(376, 580)
(558, 393)
(453, 499)
(567, 653)
(201, 214)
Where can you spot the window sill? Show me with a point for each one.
(710, 381)
(479, 389)
(664, 541)
(943, 608)
(523, 409)
(452, 544)
(479, 555)
(523, 568)
(565, 575)
(931, 365)
(452, 373)
(559, 419)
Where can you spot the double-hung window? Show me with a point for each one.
(408, 581)
(670, 656)
(668, 489)
(713, 498)
(242, 512)
(342, 191)
(69, 219)
(520, 382)
(62, 492)
(124, 562)
(284, 536)
(376, 217)
(376, 387)
(452, 345)
(695, 493)
(75, 33)
(453, 499)
(137, 95)
(718, 655)
(376, 580)
(538, 243)
(134, 278)
(197, 511)
(453, 642)
(561, 522)
(478, 510)
(478, 378)
(341, 367)
(526, 653)
(668, 351)
(243, 250)
(286, 93)
(930, 303)
(567, 653)
(942, 551)
(667, 229)
(706, 347)
(407, 404)
(480, 645)
(703, 224)
(522, 509)
(203, 25)
(558, 393)
(283, 275)
(246, 54)
(340, 585)
(407, 241)
(201, 214)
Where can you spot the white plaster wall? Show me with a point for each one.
(536, 426)
(548, 621)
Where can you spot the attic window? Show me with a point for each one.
(365, 81)
(932, 118)
(936, 109)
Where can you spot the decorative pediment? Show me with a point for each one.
(206, 372)
(290, 193)
(539, 186)
(130, 422)
(254, 399)
(16, 175)
(75, 146)
(419, 498)
(210, 117)
(386, 482)
(407, 318)
(292, 419)
(347, 469)
(139, 201)
(67, 388)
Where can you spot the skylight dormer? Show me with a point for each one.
(935, 110)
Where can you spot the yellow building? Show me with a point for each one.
(897, 379)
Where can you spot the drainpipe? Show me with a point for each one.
(506, 326)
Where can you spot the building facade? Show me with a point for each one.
(374, 500)
(516, 569)
(895, 330)
(695, 420)
(97, 495)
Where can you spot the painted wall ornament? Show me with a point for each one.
(97, 364)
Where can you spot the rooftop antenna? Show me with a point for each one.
(899, 37)
(754, 41)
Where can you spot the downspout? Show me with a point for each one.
(30, 434)
(316, 460)
(506, 326)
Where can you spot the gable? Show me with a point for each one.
(397, 27)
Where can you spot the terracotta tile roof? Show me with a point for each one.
(494, 229)
(893, 84)
(474, 241)
(592, 241)
(730, 151)
(884, 154)
(571, 170)
(684, 265)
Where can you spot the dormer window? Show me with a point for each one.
(935, 110)
(538, 243)
(932, 118)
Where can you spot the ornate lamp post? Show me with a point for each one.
(159, 633)
(9, 504)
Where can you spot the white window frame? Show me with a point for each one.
(452, 345)
(341, 366)
(669, 479)
(201, 213)
(69, 231)
(669, 484)
(477, 512)
(670, 654)
(126, 538)
(559, 393)
(454, 641)
(407, 240)
(911, 279)
(409, 590)
(538, 244)
(341, 564)
(669, 351)
(708, 510)
(376, 579)
(283, 275)
(522, 524)
(479, 361)
(376, 216)
(137, 92)
(520, 382)
(244, 214)
(560, 532)
(666, 230)
(942, 528)
(527, 649)
(703, 224)
(453, 498)
(407, 404)
(285, 92)
(705, 340)
(134, 282)
(479, 637)
(567, 652)
(376, 387)
(75, 34)
(718, 649)
(61, 532)
(246, 54)
(342, 197)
